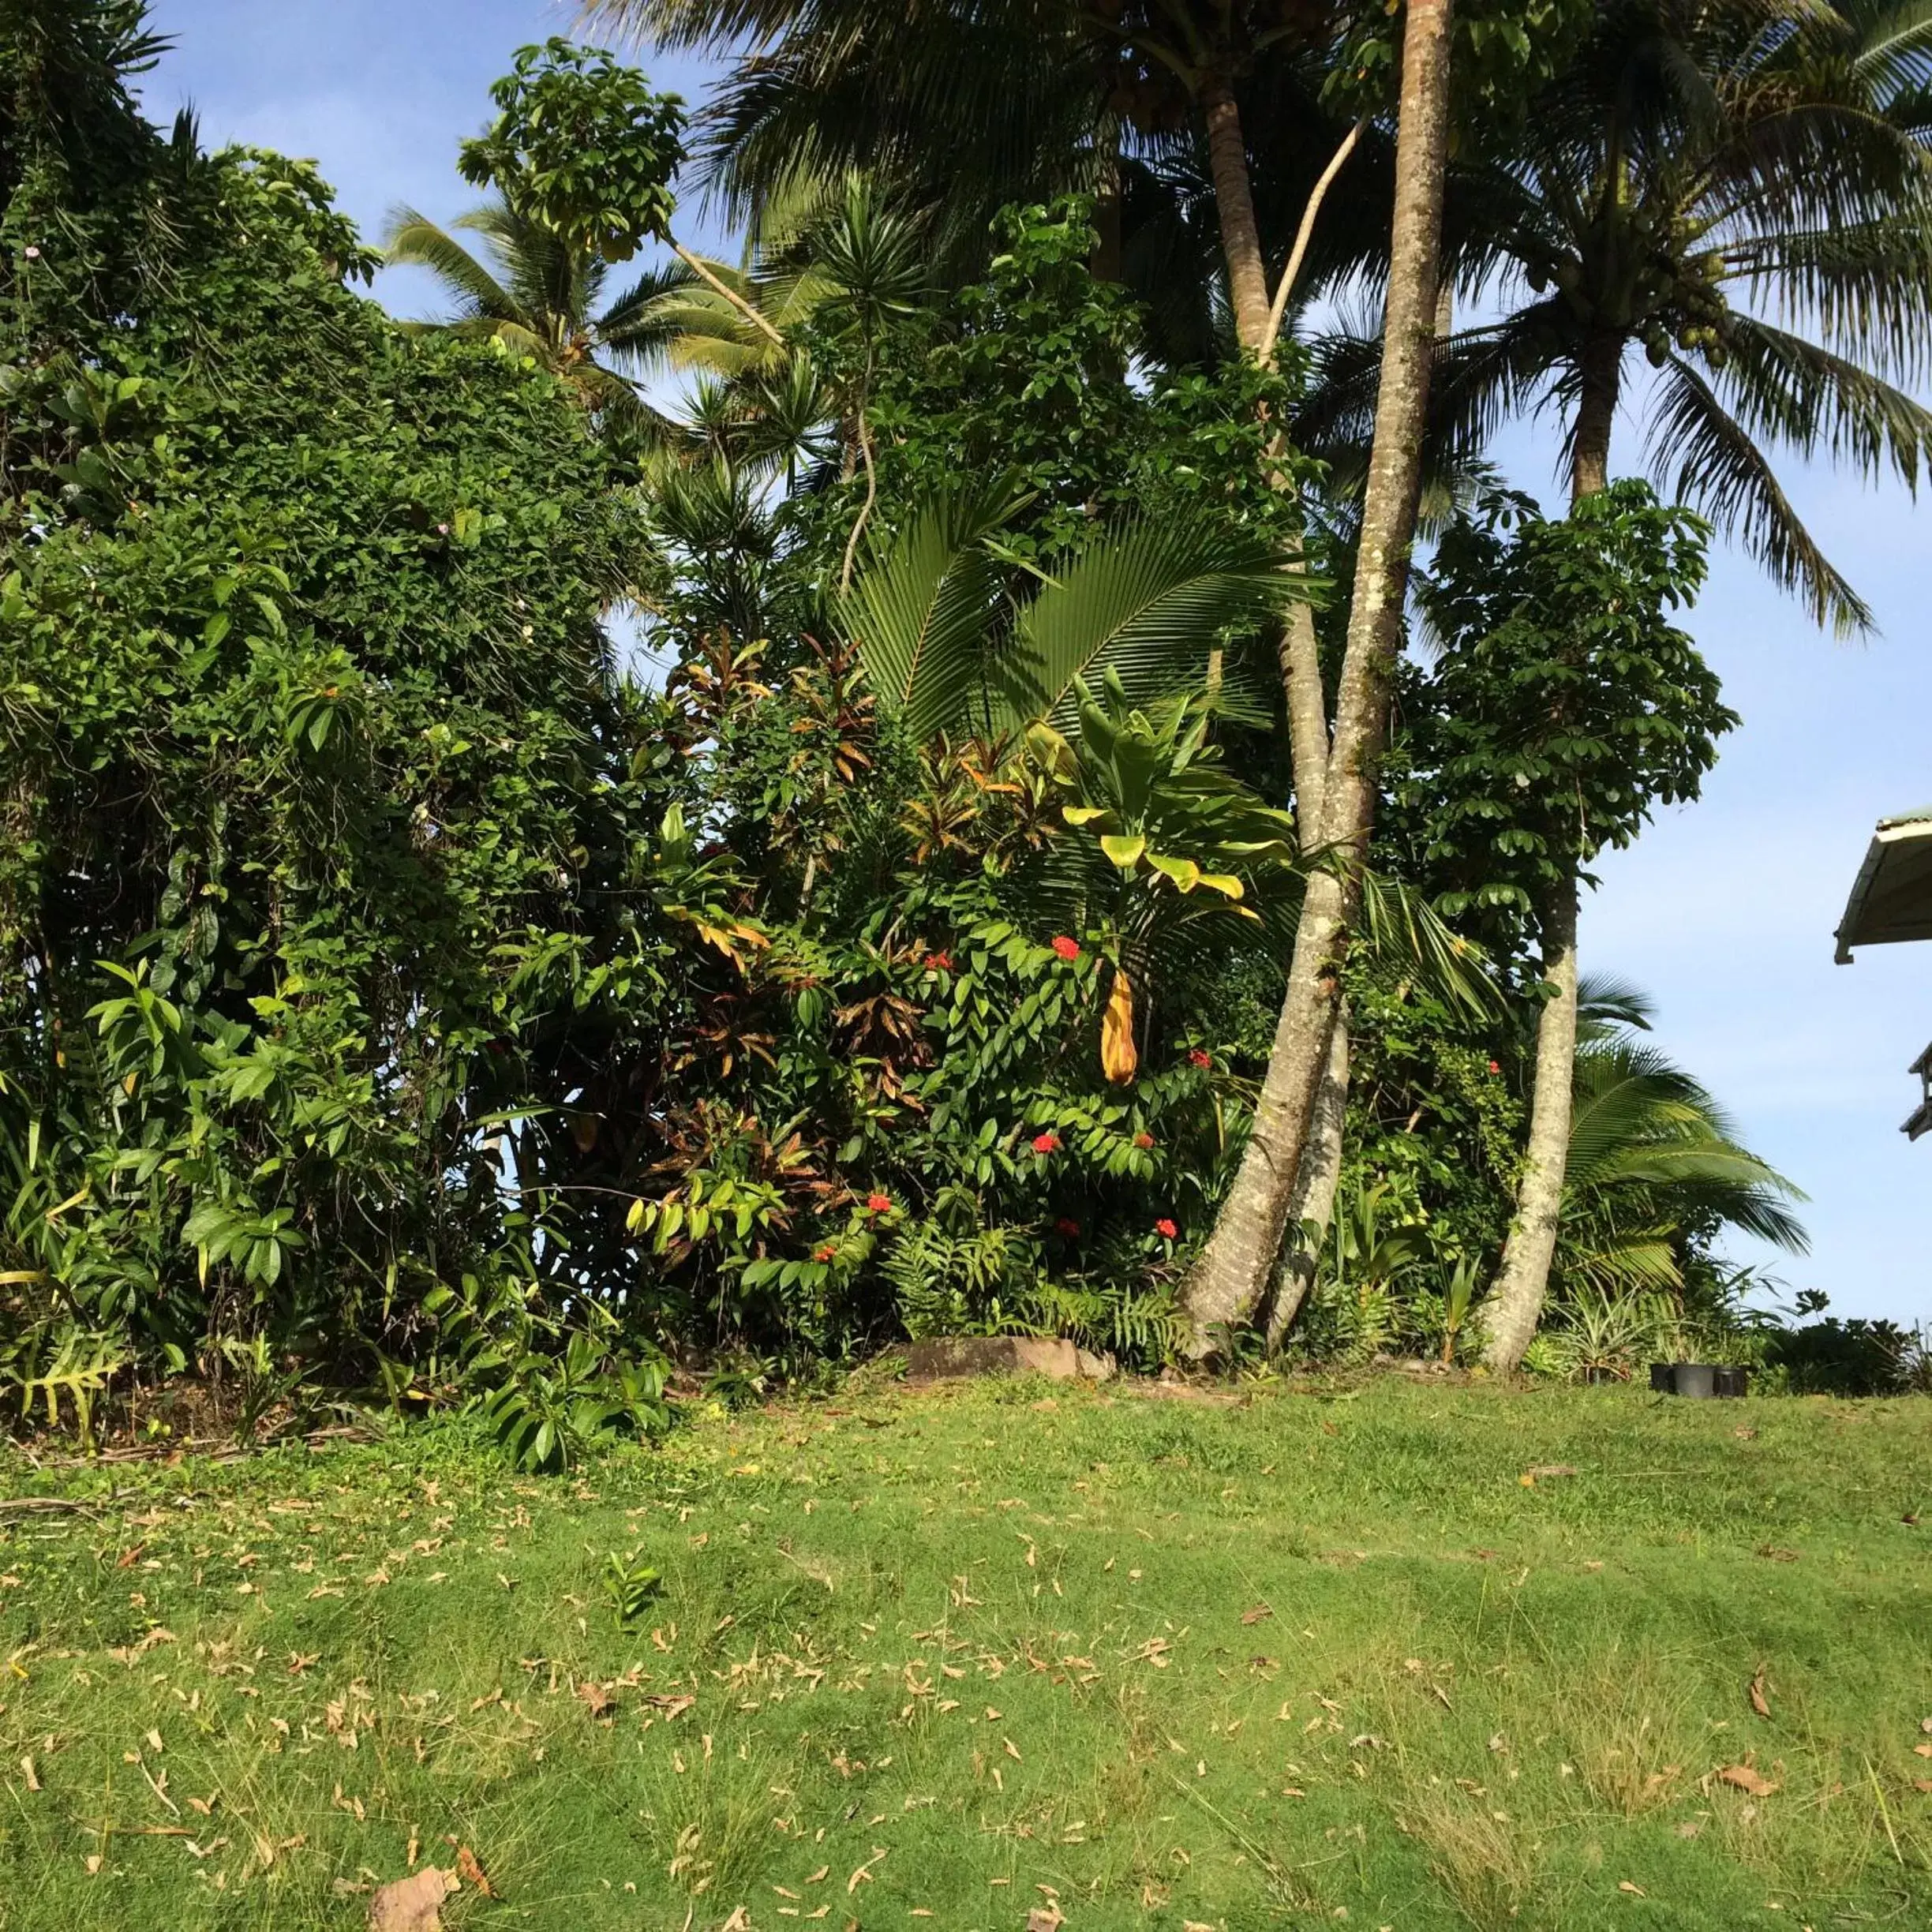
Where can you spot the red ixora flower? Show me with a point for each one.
(938, 962)
(879, 1204)
(828, 1252)
(1199, 1057)
(1047, 1143)
(1143, 1140)
(1496, 1066)
(1067, 948)
(1165, 1228)
(1066, 1225)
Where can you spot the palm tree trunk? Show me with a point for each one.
(1516, 1298)
(1227, 1282)
(1241, 236)
(1256, 322)
(1311, 1203)
(1311, 1207)
(1516, 1301)
(1599, 372)
(1105, 264)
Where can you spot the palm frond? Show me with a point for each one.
(1721, 471)
(920, 609)
(1148, 602)
(414, 240)
(1604, 1001)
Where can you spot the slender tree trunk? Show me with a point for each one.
(1105, 263)
(1311, 1207)
(1241, 236)
(1600, 379)
(1299, 652)
(1516, 1298)
(1515, 1301)
(1228, 1280)
(1256, 322)
(1311, 1204)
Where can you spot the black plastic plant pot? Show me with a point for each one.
(1662, 1379)
(1699, 1380)
(1733, 1381)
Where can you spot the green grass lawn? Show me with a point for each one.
(948, 1658)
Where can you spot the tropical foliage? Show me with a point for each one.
(401, 991)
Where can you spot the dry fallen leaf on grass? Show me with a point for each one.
(1746, 1779)
(1758, 1702)
(1918, 1750)
(471, 1871)
(410, 1905)
(1635, 1891)
(595, 1699)
(1044, 1918)
(1257, 1614)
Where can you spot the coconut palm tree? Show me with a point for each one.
(1742, 189)
(972, 104)
(1015, 99)
(530, 289)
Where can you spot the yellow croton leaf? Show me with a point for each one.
(1119, 1059)
(1124, 849)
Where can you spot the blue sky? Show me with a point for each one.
(1723, 911)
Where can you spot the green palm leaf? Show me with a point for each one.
(1148, 603)
(921, 611)
(414, 240)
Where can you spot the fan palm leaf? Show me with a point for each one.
(1145, 603)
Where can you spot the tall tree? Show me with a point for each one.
(1013, 101)
(1693, 170)
(1232, 1274)
(1565, 704)
(1694, 166)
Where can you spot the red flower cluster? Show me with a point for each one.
(1165, 1228)
(827, 1253)
(879, 1204)
(1144, 1140)
(1067, 948)
(1496, 1066)
(1047, 1143)
(1068, 1227)
(938, 962)
(1197, 1058)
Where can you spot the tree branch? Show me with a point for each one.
(1302, 236)
(705, 275)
